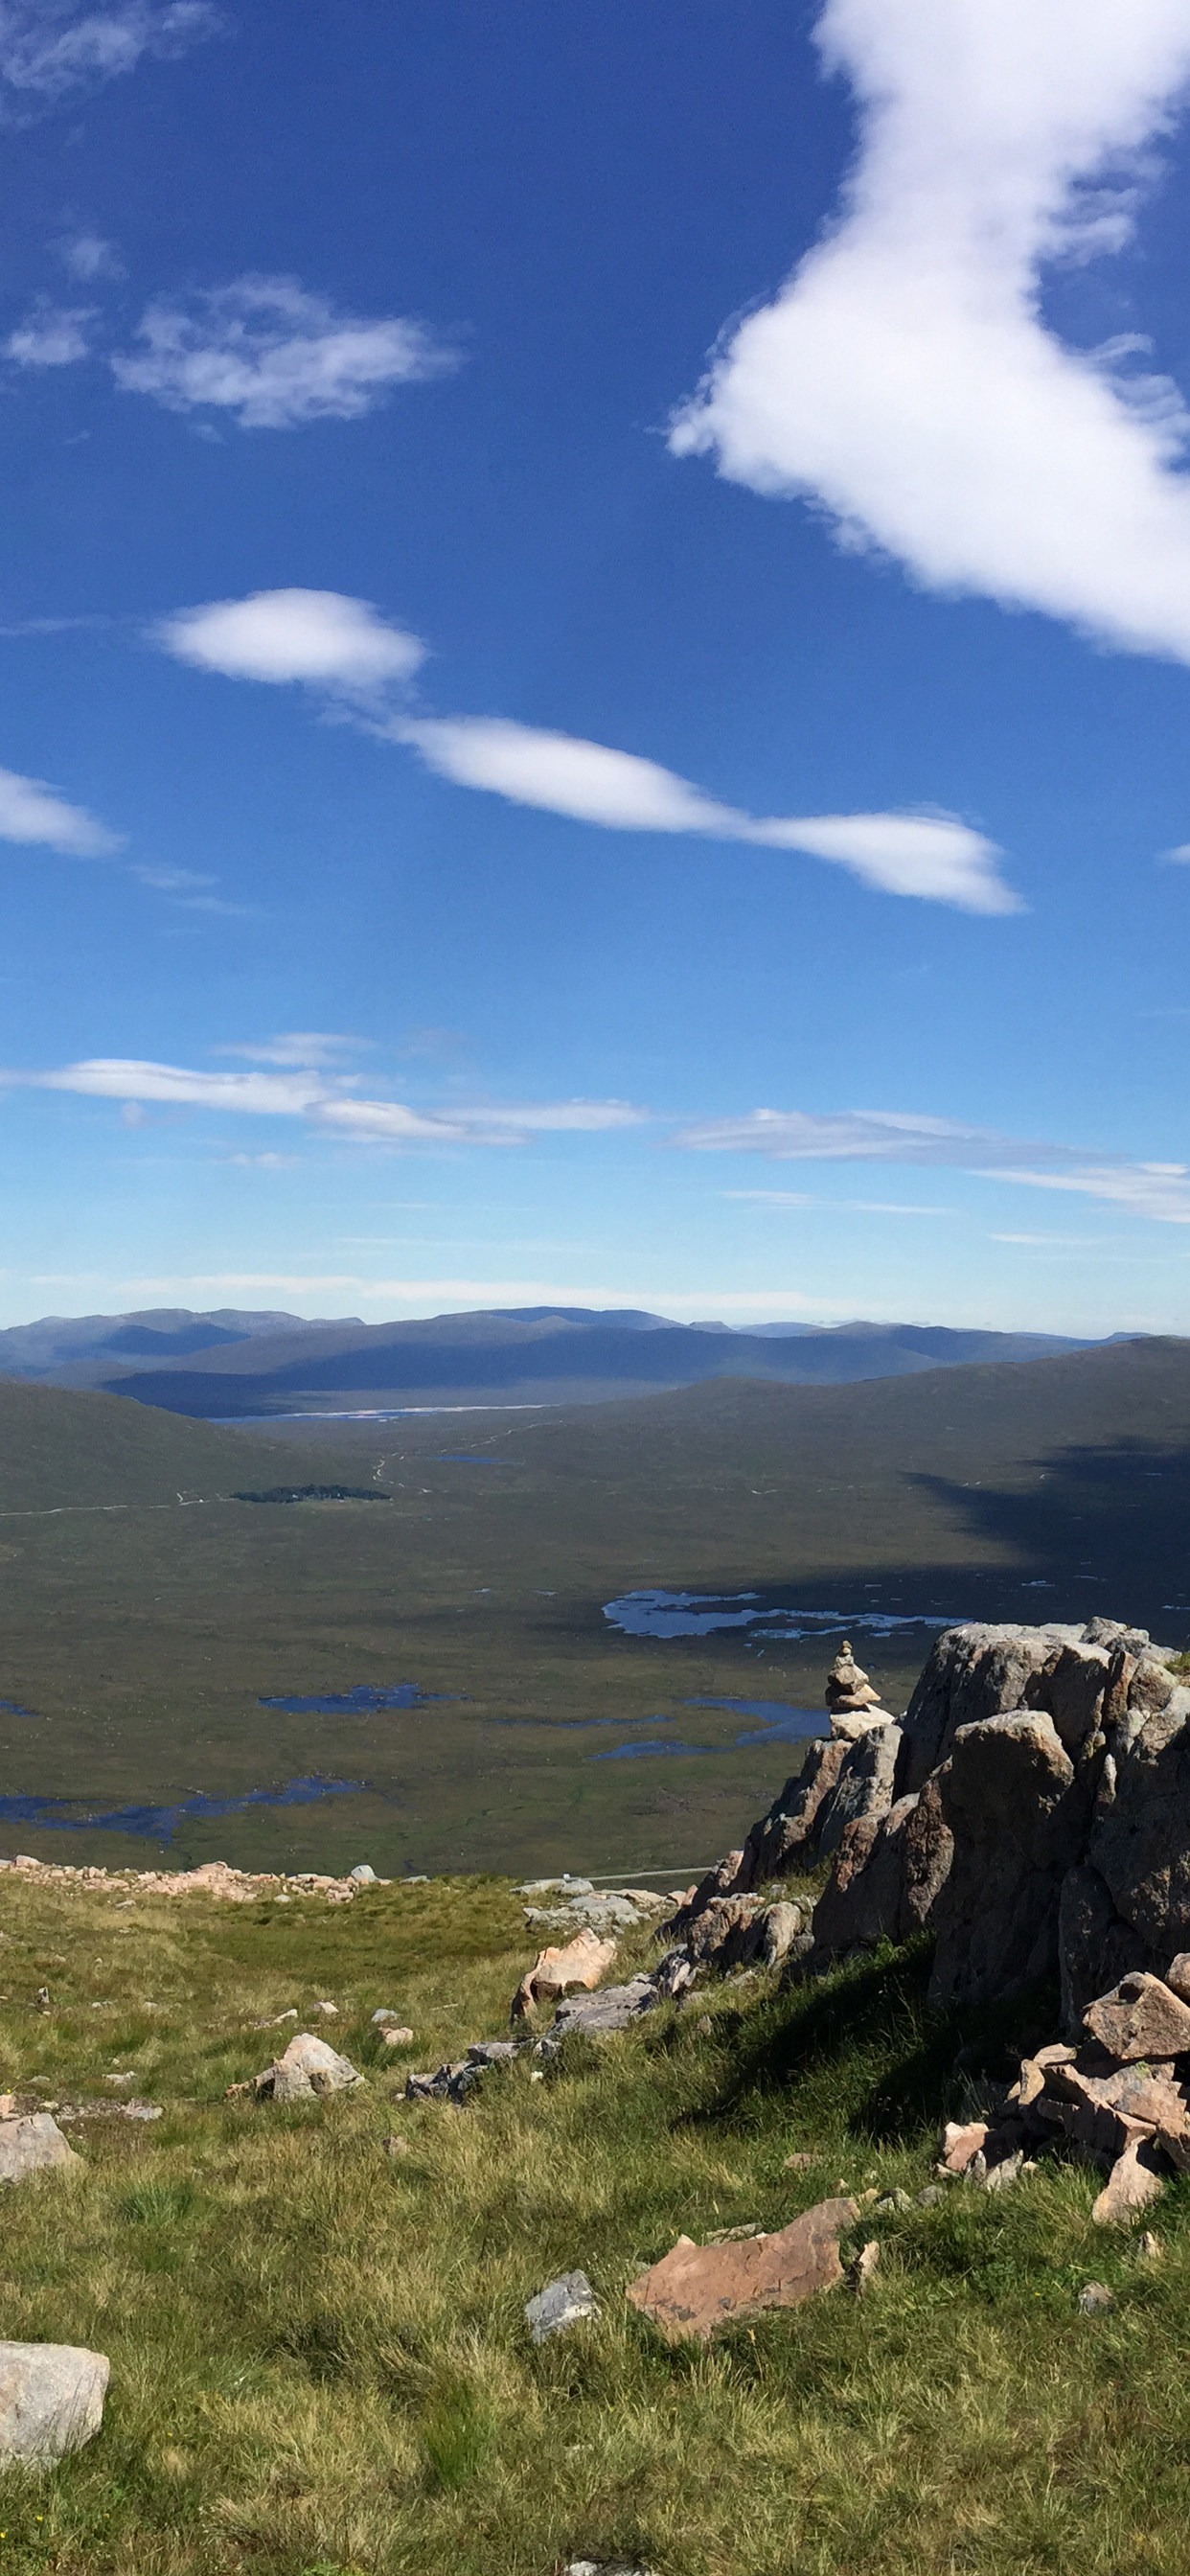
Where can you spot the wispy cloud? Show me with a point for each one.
(297, 1047)
(326, 1102)
(343, 647)
(1158, 1190)
(904, 378)
(34, 813)
(271, 355)
(859, 1207)
(49, 48)
(53, 335)
(88, 256)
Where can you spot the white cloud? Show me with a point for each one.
(904, 377)
(909, 854)
(316, 636)
(32, 812)
(1156, 1190)
(345, 647)
(49, 47)
(324, 1100)
(88, 256)
(273, 355)
(1181, 854)
(53, 336)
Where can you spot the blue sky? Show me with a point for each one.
(594, 635)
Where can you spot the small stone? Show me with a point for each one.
(385, 2013)
(862, 2266)
(396, 2146)
(1149, 2246)
(1000, 2177)
(43, 1998)
(329, 2011)
(1177, 1976)
(1095, 2299)
(800, 2161)
(893, 2202)
(1141, 2017)
(363, 1875)
(564, 2302)
(395, 2035)
(704, 2026)
(930, 2197)
(51, 2399)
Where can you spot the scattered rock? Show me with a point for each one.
(604, 2567)
(1132, 2183)
(613, 2009)
(363, 1875)
(395, 2146)
(1095, 2299)
(930, 2197)
(557, 1972)
(31, 2145)
(800, 2161)
(51, 2399)
(862, 2266)
(272, 2021)
(1001, 2175)
(395, 2035)
(329, 2011)
(308, 2068)
(1141, 2017)
(564, 2302)
(1149, 2246)
(962, 2141)
(695, 2289)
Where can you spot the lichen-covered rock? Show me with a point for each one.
(31, 2145)
(1139, 1840)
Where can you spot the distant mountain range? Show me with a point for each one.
(247, 1362)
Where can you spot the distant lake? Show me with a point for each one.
(357, 1702)
(701, 1614)
(372, 1413)
(784, 1724)
(158, 1823)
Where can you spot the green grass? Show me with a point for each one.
(319, 2357)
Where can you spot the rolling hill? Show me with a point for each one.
(531, 1355)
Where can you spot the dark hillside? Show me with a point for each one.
(59, 1448)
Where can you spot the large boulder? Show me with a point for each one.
(51, 2399)
(1018, 1815)
(973, 1673)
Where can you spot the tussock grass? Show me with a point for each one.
(320, 2365)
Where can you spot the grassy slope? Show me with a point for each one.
(319, 2361)
(60, 1449)
(146, 1638)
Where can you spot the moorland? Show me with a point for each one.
(154, 1624)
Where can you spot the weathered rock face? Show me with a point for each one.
(864, 1787)
(1017, 1813)
(972, 1674)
